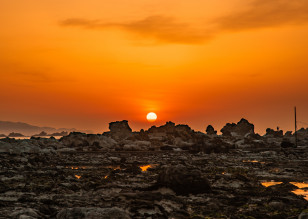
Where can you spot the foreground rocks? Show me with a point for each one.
(165, 172)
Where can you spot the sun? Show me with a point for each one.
(151, 117)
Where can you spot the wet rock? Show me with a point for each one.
(242, 128)
(183, 180)
(210, 130)
(93, 213)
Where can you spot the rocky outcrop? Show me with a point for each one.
(272, 133)
(86, 141)
(183, 180)
(13, 146)
(242, 128)
(119, 130)
(172, 131)
(210, 130)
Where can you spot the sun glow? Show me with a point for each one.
(151, 117)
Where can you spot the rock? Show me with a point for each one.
(183, 180)
(288, 134)
(90, 141)
(215, 145)
(25, 213)
(182, 131)
(119, 130)
(287, 144)
(93, 213)
(242, 128)
(272, 133)
(303, 215)
(210, 130)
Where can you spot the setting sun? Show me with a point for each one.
(151, 117)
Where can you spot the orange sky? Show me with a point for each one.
(84, 64)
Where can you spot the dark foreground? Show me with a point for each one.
(162, 181)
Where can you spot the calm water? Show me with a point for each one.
(28, 137)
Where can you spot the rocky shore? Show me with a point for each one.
(169, 171)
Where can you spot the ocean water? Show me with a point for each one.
(28, 137)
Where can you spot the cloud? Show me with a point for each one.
(40, 77)
(163, 29)
(266, 13)
(160, 28)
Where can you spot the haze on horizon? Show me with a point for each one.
(83, 64)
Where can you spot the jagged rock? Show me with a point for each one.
(272, 133)
(182, 131)
(242, 128)
(119, 130)
(302, 133)
(183, 180)
(77, 139)
(210, 130)
(93, 213)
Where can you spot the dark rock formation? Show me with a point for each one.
(78, 139)
(286, 143)
(182, 131)
(119, 130)
(183, 180)
(210, 130)
(288, 134)
(242, 128)
(272, 133)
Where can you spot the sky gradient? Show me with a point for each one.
(83, 64)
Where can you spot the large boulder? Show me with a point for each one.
(210, 130)
(242, 128)
(183, 180)
(119, 130)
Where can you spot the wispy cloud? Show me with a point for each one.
(266, 13)
(163, 29)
